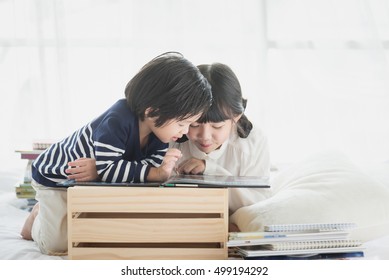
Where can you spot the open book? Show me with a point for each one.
(200, 181)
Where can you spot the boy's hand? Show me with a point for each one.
(82, 169)
(192, 166)
(168, 165)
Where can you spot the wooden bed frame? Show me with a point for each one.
(147, 223)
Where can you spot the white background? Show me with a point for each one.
(315, 72)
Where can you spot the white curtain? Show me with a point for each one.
(315, 72)
(328, 78)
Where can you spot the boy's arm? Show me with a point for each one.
(168, 166)
(82, 169)
(112, 140)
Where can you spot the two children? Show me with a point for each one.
(222, 142)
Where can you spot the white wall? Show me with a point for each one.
(315, 72)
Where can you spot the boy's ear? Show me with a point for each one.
(147, 112)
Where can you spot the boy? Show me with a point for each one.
(129, 142)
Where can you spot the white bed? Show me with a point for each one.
(323, 188)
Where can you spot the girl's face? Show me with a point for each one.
(209, 136)
(174, 129)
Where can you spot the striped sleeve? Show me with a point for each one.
(110, 141)
(49, 168)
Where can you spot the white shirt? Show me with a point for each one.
(236, 157)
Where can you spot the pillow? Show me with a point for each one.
(325, 188)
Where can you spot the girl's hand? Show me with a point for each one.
(192, 166)
(82, 169)
(233, 228)
(167, 167)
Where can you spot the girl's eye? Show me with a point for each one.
(194, 125)
(217, 127)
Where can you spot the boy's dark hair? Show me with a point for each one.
(171, 86)
(227, 97)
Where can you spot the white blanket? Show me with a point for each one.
(327, 188)
(12, 218)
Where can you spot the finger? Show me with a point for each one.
(197, 170)
(174, 152)
(189, 166)
(80, 177)
(84, 179)
(171, 162)
(81, 162)
(75, 170)
(74, 176)
(77, 163)
(183, 164)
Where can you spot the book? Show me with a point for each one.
(262, 238)
(25, 190)
(30, 155)
(320, 256)
(296, 240)
(25, 195)
(217, 180)
(302, 248)
(310, 227)
(200, 181)
(42, 144)
(311, 244)
(72, 183)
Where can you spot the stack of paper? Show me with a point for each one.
(298, 240)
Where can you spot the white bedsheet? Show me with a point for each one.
(13, 247)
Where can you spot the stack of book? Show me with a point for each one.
(24, 190)
(297, 241)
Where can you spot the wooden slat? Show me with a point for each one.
(147, 200)
(148, 254)
(148, 230)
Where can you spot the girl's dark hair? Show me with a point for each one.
(227, 97)
(171, 86)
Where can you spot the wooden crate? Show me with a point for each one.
(147, 223)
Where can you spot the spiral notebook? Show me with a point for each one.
(311, 227)
(260, 238)
(302, 248)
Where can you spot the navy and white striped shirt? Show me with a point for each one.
(113, 140)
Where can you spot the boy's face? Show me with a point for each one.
(174, 129)
(209, 136)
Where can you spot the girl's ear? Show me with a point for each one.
(237, 118)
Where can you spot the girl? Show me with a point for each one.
(128, 142)
(223, 141)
